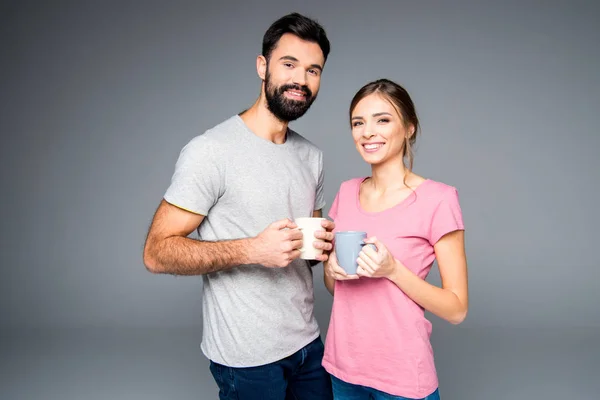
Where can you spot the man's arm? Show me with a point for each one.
(168, 250)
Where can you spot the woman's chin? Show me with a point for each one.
(371, 158)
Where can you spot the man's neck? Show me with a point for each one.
(263, 123)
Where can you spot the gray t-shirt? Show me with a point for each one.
(252, 315)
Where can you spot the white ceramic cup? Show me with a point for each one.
(308, 226)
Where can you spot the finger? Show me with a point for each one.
(293, 234)
(321, 257)
(328, 225)
(294, 254)
(318, 244)
(370, 252)
(284, 223)
(296, 244)
(324, 235)
(369, 258)
(338, 269)
(365, 266)
(345, 277)
(360, 271)
(291, 225)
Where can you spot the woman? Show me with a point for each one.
(378, 343)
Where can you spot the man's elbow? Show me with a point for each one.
(150, 262)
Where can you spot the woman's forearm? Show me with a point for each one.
(442, 302)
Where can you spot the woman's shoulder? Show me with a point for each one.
(436, 191)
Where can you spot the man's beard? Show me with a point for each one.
(283, 108)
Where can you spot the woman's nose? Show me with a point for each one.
(368, 133)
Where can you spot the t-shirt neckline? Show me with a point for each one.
(397, 206)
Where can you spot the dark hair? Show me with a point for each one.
(400, 99)
(299, 25)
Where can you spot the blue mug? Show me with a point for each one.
(347, 246)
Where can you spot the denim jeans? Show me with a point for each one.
(347, 391)
(297, 377)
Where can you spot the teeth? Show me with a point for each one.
(298, 94)
(372, 146)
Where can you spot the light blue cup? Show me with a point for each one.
(347, 246)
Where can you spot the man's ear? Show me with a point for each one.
(261, 67)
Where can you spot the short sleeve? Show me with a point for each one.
(447, 216)
(320, 195)
(334, 207)
(197, 182)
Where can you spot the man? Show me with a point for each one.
(241, 184)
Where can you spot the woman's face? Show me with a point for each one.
(378, 130)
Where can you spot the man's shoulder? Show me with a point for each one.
(216, 136)
(223, 130)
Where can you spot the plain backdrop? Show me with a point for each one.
(98, 97)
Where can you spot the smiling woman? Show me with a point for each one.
(378, 328)
(390, 108)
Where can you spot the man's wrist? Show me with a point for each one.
(248, 251)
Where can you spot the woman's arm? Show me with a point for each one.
(329, 281)
(451, 301)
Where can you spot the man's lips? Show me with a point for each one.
(296, 94)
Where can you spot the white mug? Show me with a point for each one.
(308, 226)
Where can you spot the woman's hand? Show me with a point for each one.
(376, 263)
(334, 271)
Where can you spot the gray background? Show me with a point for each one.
(97, 99)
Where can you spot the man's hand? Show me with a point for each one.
(278, 245)
(324, 239)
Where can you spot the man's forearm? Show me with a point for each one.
(184, 256)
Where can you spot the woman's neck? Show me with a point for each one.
(388, 176)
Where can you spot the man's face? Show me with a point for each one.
(293, 77)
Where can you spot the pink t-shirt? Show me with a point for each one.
(378, 337)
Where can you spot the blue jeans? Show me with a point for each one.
(297, 377)
(347, 391)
